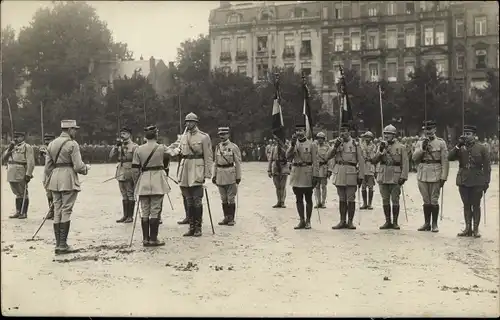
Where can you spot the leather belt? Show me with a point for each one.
(394, 164)
(302, 164)
(345, 163)
(122, 162)
(192, 156)
(431, 161)
(157, 168)
(230, 165)
(323, 163)
(63, 165)
(18, 162)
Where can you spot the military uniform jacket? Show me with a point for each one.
(227, 163)
(323, 163)
(196, 162)
(348, 164)
(62, 174)
(152, 178)
(21, 162)
(277, 165)
(305, 164)
(393, 163)
(125, 154)
(368, 151)
(269, 148)
(432, 164)
(474, 165)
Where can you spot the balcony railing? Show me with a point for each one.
(225, 56)
(305, 52)
(241, 55)
(288, 53)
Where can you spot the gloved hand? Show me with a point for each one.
(214, 179)
(461, 142)
(88, 167)
(442, 182)
(118, 142)
(27, 178)
(12, 144)
(360, 182)
(294, 139)
(401, 181)
(382, 146)
(328, 175)
(238, 181)
(269, 174)
(337, 143)
(425, 144)
(485, 188)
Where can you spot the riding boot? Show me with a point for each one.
(467, 232)
(154, 225)
(225, 209)
(50, 214)
(365, 203)
(343, 213)
(186, 219)
(130, 212)
(24, 209)
(145, 231)
(387, 214)
(231, 212)
(282, 205)
(16, 215)
(58, 236)
(64, 232)
(370, 199)
(435, 216)
(300, 211)
(351, 210)
(427, 218)
(198, 222)
(277, 205)
(476, 214)
(308, 215)
(125, 210)
(190, 215)
(395, 216)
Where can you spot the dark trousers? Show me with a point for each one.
(300, 195)
(471, 198)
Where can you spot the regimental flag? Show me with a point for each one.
(307, 110)
(346, 116)
(278, 126)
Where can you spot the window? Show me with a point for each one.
(289, 43)
(356, 67)
(338, 11)
(289, 66)
(480, 26)
(242, 70)
(426, 5)
(440, 38)
(409, 69)
(428, 36)
(240, 44)
(306, 68)
(325, 12)
(338, 39)
(234, 18)
(306, 43)
(391, 9)
(355, 9)
(355, 41)
(372, 40)
(410, 8)
(459, 28)
(441, 67)
(392, 39)
(373, 71)
(262, 43)
(480, 59)
(392, 71)
(225, 45)
(262, 69)
(410, 38)
(372, 11)
(460, 62)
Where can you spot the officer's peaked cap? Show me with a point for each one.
(191, 117)
(223, 130)
(150, 128)
(68, 124)
(19, 134)
(320, 135)
(126, 129)
(470, 128)
(345, 126)
(49, 136)
(428, 124)
(368, 134)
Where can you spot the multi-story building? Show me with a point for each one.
(254, 38)
(474, 48)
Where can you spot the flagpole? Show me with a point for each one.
(381, 110)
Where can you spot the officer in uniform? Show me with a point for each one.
(431, 156)
(392, 174)
(149, 163)
(324, 170)
(305, 173)
(348, 173)
(47, 138)
(473, 178)
(195, 167)
(226, 174)
(20, 161)
(278, 169)
(124, 150)
(368, 150)
(63, 163)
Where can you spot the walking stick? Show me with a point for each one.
(135, 221)
(404, 202)
(112, 178)
(171, 206)
(484, 206)
(442, 196)
(359, 205)
(209, 211)
(41, 225)
(24, 198)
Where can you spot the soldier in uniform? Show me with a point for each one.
(473, 178)
(47, 138)
(124, 150)
(149, 163)
(269, 147)
(392, 174)
(226, 174)
(324, 170)
(63, 163)
(348, 173)
(195, 167)
(368, 150)
(278, 169)
(431, 156)
(305, 173)
(20, 164)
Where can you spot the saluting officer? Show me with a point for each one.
(304, 175)
(392, 174)
(348, 173)
(368, 149)
(63, 163)
(473, 178)
(47, 138)
(20, 164)
(226, 174)
(278, 169)
(324, 170)
(149, 163)
(431, 156)
(124, 150)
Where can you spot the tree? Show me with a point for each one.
(193, 59)
(481, 113)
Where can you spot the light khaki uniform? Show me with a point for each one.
(368, 152)
(20, 164)
(124, 172)
(324, 167)
(279, 168)
(304, 163)
(62, 175)
(226, 170)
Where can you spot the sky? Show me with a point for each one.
(150, 28)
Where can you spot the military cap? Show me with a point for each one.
(470, 128)
(49, 136)
(223, 130)
(345, 126)
(367, 134)
(126, 129)
(300, 126)
(428, 124)
(191, 117)
(68, 124)
(320, 135)
(390, 129)
(19, 134)
(150, 128)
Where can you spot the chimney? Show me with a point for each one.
(225, 4)
(151, 64)
(141, 58)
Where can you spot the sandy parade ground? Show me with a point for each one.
(259, 267)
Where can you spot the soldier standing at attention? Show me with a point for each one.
(124, 150)
(63, 163)
(324, 170)
(278, 169)
(473, 178)
(226, 174)
(368, 150)
(20, 164)
(392, 174)
(47, 138)
(431, 156)
(150, 162)
(348, 173)
(304, 176)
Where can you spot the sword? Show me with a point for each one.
(135, 222)
(40, 227)
(484, 206)
(175, 181)
(359, 205)
(209, 211)
(442, 196)
(112, 178)
(404, 202)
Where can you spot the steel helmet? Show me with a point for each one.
(320, 135)
(390, 129)
(191, 117)
(368, 134)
